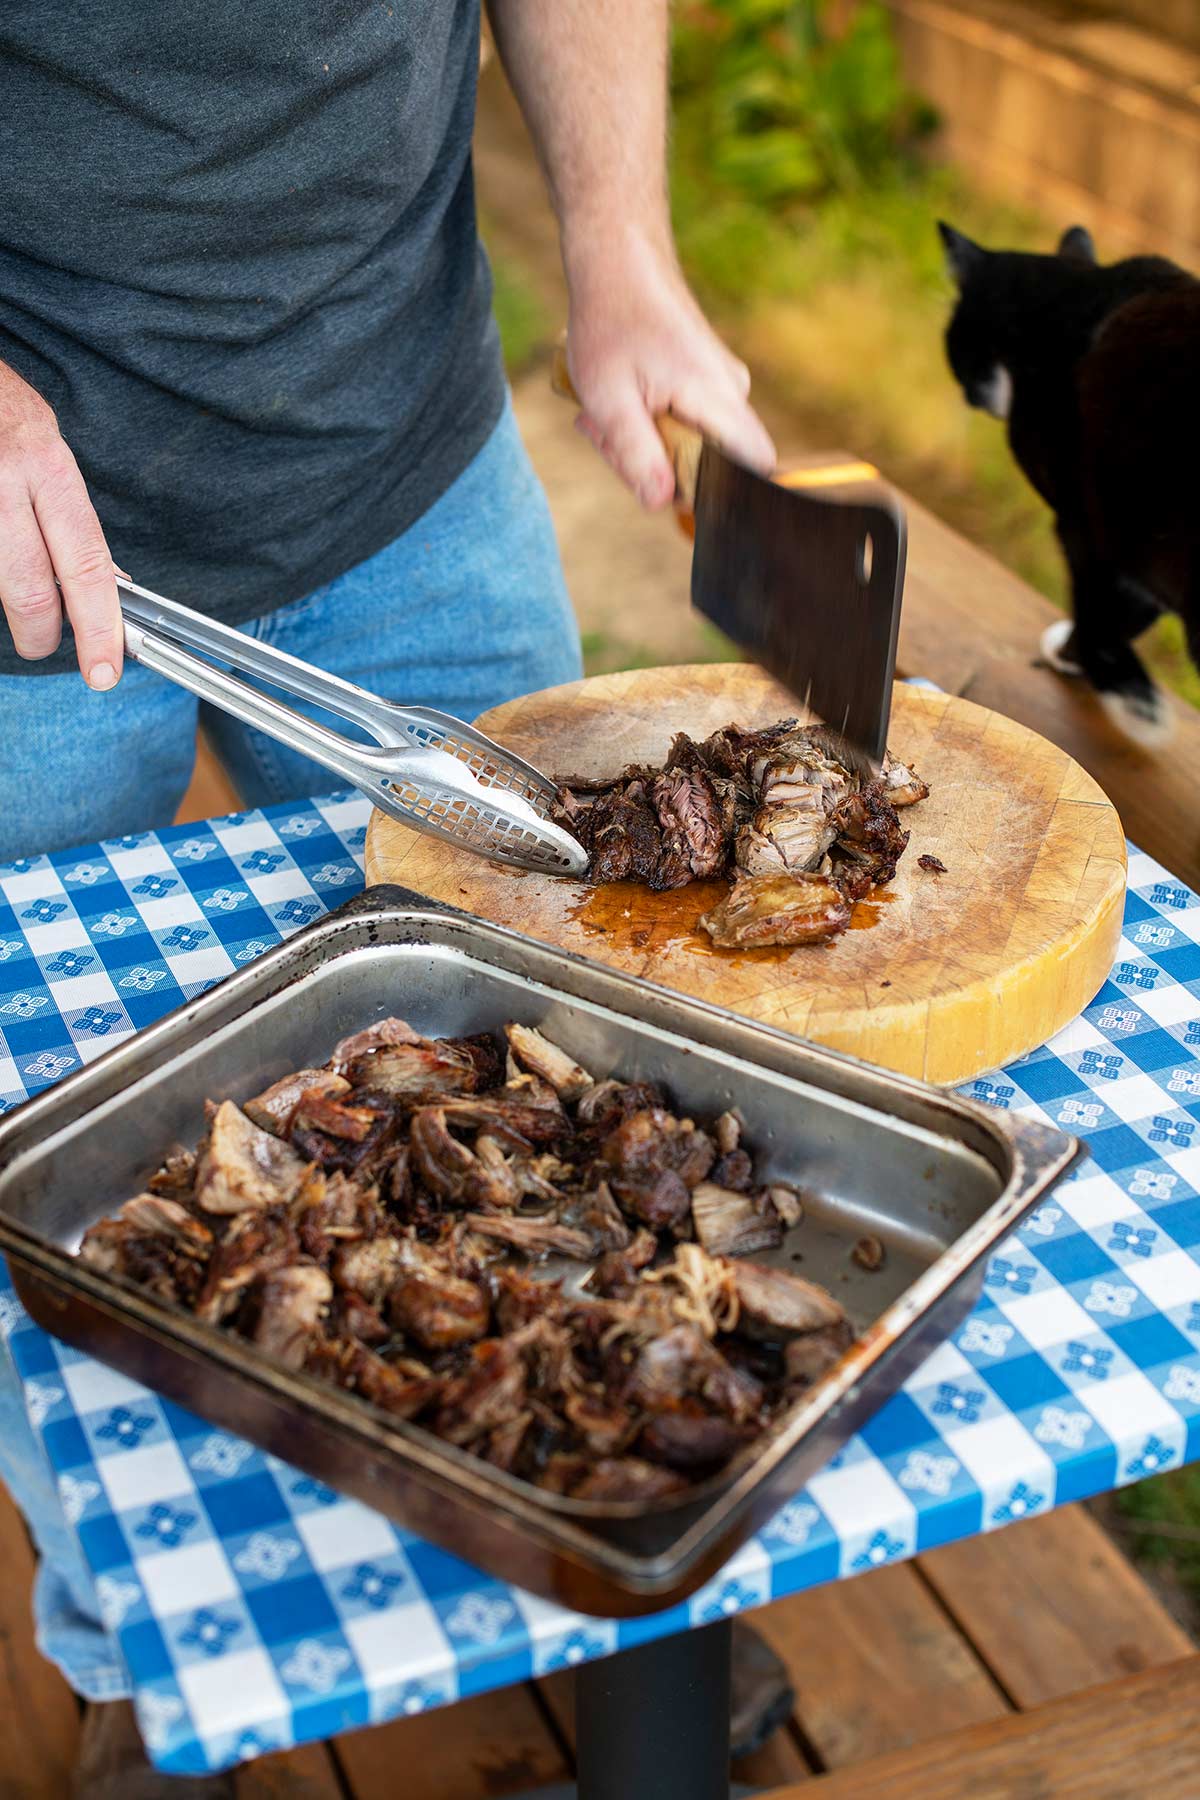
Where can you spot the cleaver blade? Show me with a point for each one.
(807, 580)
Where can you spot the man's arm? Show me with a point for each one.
(591, 78)
(49, 530)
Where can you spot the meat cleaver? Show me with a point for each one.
(805, 573)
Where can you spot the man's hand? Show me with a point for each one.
(49, 530)
(639, 346)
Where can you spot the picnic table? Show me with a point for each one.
(256, 1609)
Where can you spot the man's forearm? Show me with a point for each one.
(591, 78)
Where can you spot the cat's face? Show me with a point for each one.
(975, 343)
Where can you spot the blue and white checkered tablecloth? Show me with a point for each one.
(255, 1608)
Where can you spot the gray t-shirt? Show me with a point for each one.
(238, 256)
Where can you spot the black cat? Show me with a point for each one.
(1097, 371)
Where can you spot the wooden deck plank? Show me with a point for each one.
(1123, 1741)
(780, 1760)
(1052, 1606)
(306, 1773)
(877, 1665)
(39, 1715)
(491, 1745)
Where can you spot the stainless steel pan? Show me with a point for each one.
(940, 1181)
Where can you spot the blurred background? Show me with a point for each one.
(816, 142)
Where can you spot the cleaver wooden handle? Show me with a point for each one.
(684, 443)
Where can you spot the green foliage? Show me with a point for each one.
(840, 302)
(1166, 1513)
(604, 654)
(785, 107)
(525, 325)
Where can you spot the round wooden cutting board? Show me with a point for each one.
(941, 976)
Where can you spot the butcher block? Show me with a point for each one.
(941, 975)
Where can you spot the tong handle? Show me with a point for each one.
(424, 769)
(264, 713)
(370, 768)
(168, 621)
(392, 727)
(684, 443)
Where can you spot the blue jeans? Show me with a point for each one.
(465, 610)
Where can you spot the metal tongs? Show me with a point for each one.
(425, 768)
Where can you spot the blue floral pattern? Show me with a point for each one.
(880, 1549)
(732, 1596)
(125, 1428)
(1176, 1132)
(69, 962)
(578, 1646)
(1095, 1065)
(961, 1404)
(375, 1586)
(210, 1632)
(211, 1558)
(184, 937)
(44, 912)
(1021, 1501)
(1154, 1456)
(296, 912)
(96, 1021)
(165, 1525)
(1091, 1360)
(261, 862)
(1015, 1278)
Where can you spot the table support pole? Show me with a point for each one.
(655, 1720)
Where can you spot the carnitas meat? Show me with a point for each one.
(654, 1160)
(242, 1167)
(775, 805)
(733, 1224)
(778, 909)
(548, 1271)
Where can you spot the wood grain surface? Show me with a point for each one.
(942, 976)
(1124, 1740)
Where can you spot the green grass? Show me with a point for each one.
(604, 654)
(1163, 1515)
(524, 323)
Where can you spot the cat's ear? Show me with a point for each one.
(963, 256)
(1076, 245)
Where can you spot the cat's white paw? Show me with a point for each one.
(1149, 723)
(1053, 639)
